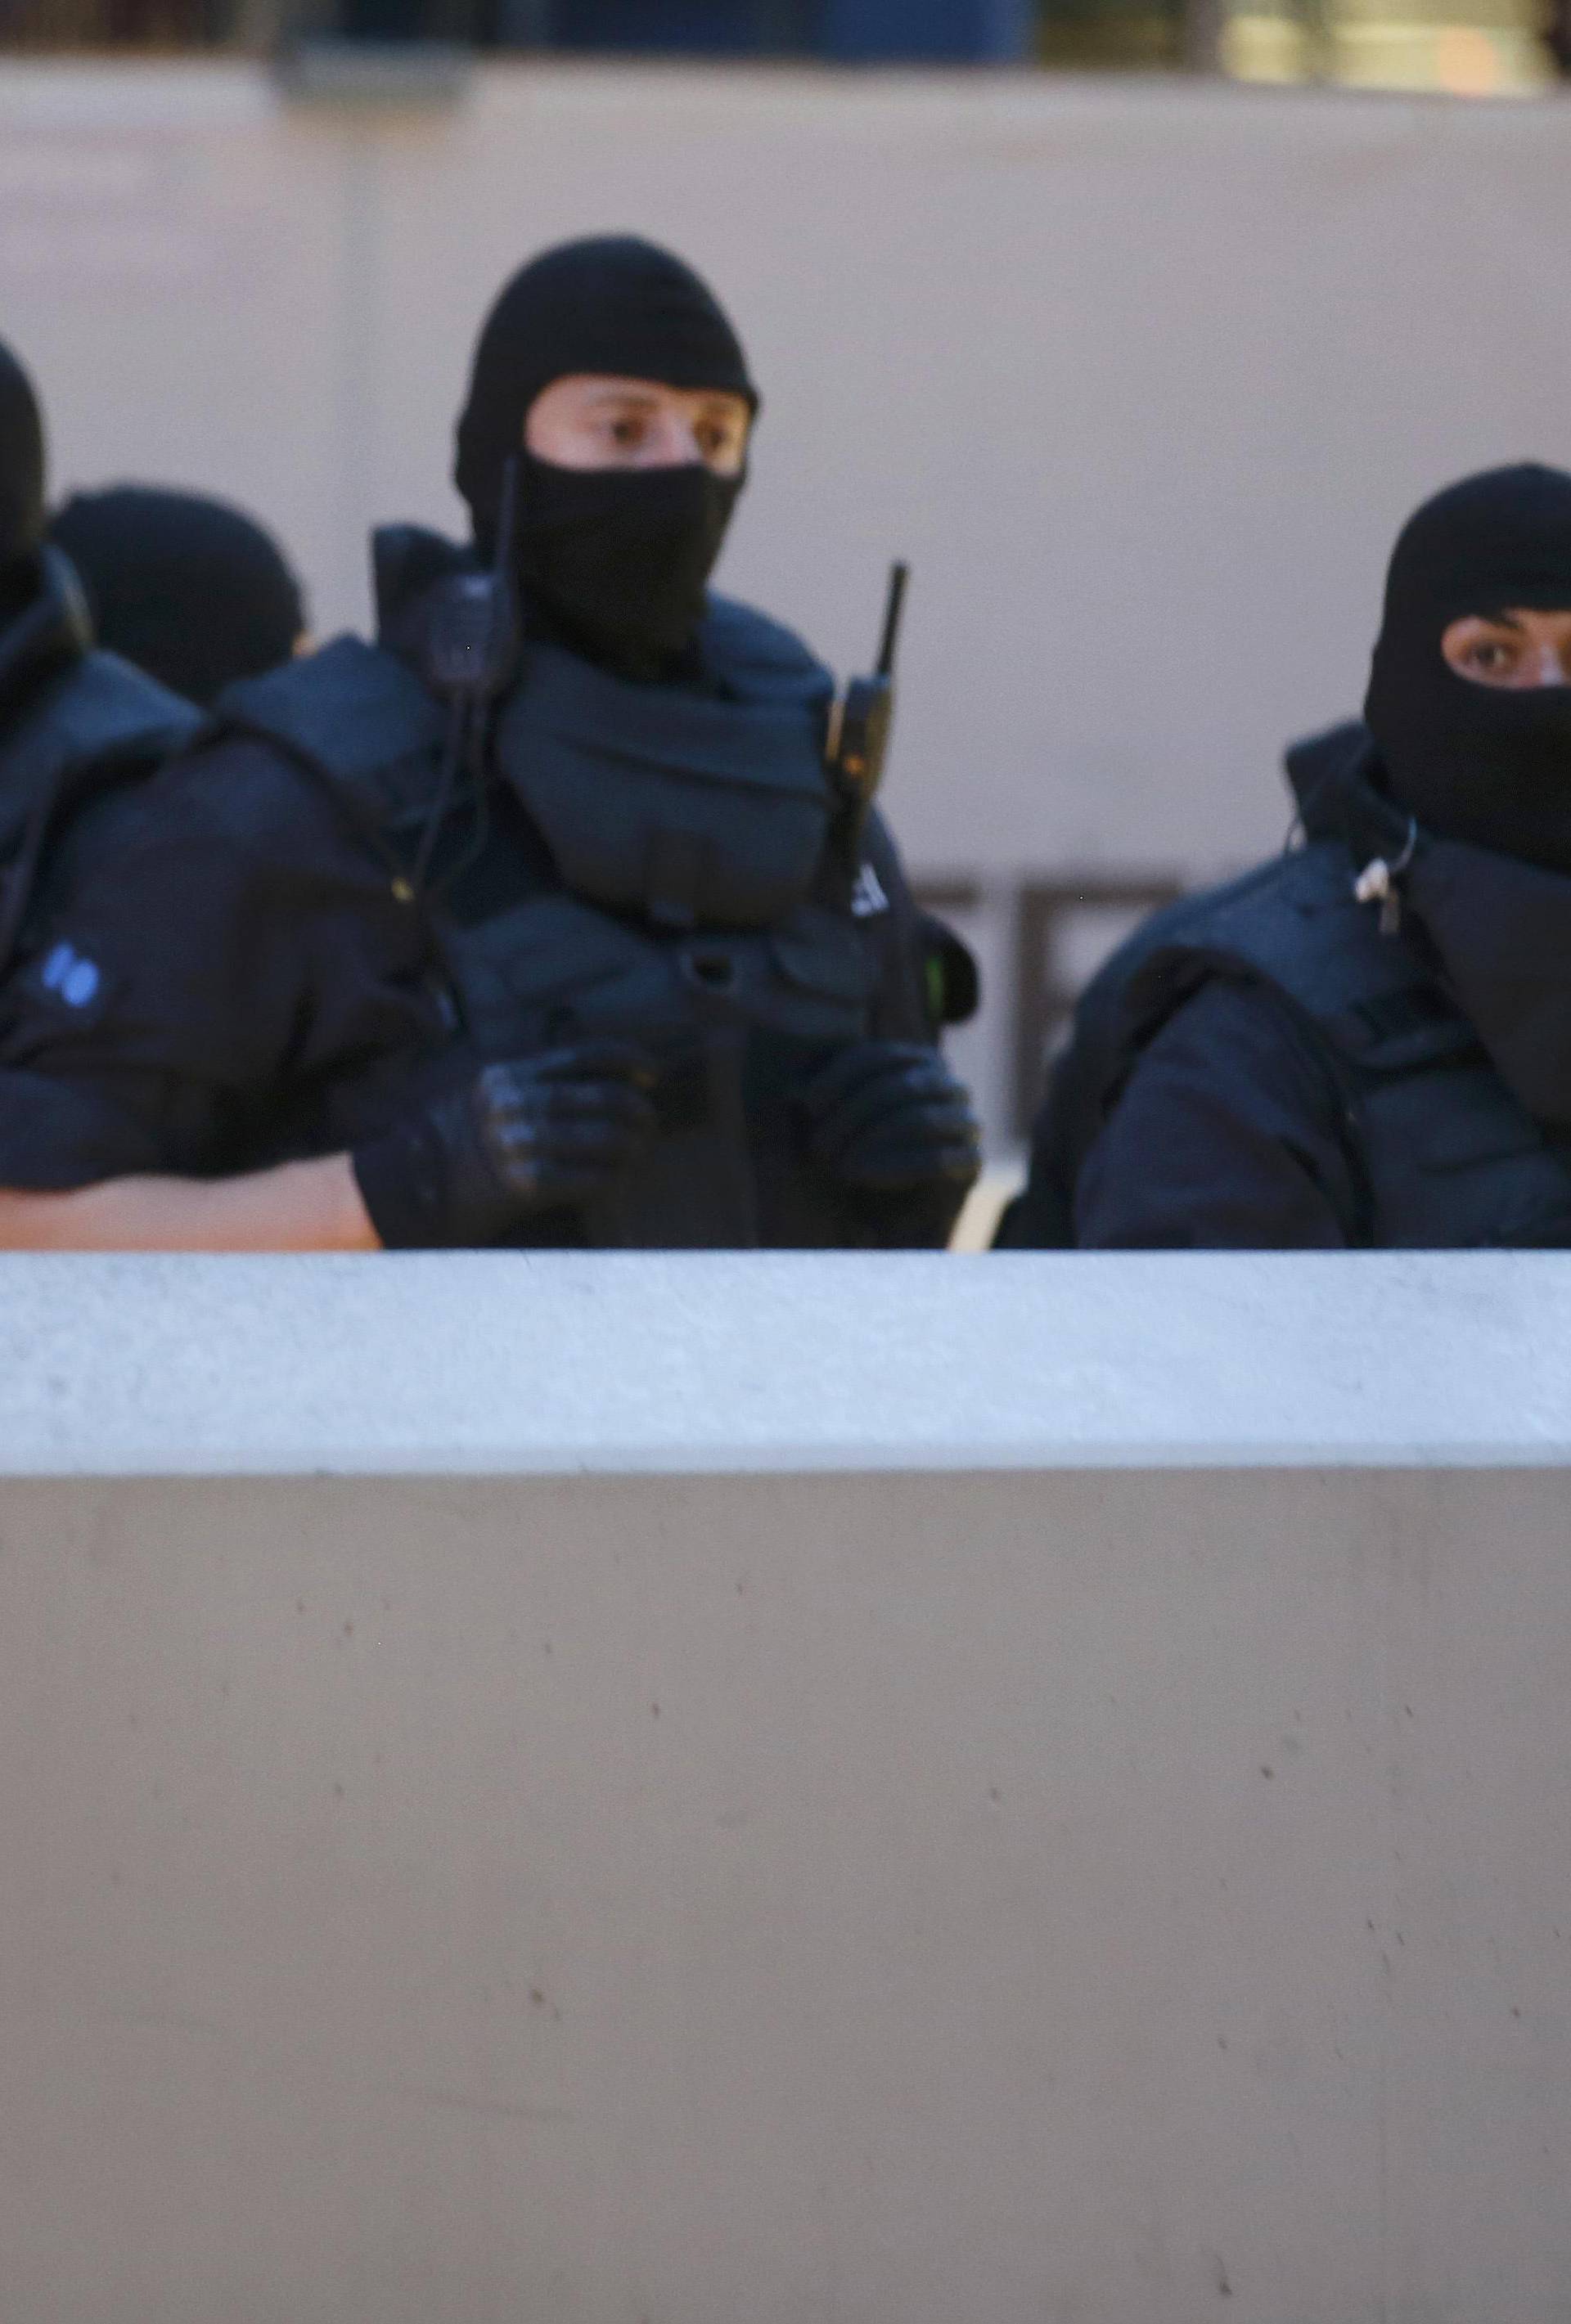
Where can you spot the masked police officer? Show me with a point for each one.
(74, 722)
(540, 921)
(1368, 1042)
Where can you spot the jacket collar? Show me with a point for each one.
(1499, 930)
(1336, 781)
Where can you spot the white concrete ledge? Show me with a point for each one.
(514, 1365)
(1107, 1866)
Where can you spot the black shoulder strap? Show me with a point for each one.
(1374, 999)
(99, 715)
(351, 717)
(100, 723)
(1366, 1001)
(350, 712)
(1122, 1008)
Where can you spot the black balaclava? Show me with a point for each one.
(21, 481)
(618, 558)
(1487, 765)
(189, 589)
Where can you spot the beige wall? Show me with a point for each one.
(1142, 376)
(1026, 1899)
(810, 1792)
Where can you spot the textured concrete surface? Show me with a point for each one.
(1119, 1897)
(523, 1365)
(1107, 1866)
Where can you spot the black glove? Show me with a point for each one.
(890, 1117)
(534, 1135)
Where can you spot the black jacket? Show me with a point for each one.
(75, 726)
(1275, 1065)
(265, 985)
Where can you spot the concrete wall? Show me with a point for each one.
(1143, 377)
(824, 1791)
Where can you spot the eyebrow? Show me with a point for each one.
(720, 405)
(640, 395)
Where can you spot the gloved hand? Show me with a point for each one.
(533, 1135)
(890, 1116)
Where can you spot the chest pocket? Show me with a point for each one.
(553, 969)
(809, 981)
(698, 811)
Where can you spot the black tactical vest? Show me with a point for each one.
(91, 725)
(697, 906)
(1448, 1158)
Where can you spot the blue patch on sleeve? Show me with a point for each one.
(70, 975)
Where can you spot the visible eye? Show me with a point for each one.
(1486, 652)
(722, 443)
(629, 432)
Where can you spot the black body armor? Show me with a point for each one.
(691, 896)
(1447, 1159)
(74, 723)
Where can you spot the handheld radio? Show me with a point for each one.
(469, 650)
(859, 740)
(471, 643)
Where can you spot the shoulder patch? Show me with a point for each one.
(69, 979)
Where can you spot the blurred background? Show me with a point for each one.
(1467, 46)
(1139, 328)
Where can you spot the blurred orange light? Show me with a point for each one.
(1467, 62)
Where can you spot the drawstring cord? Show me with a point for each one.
(1376, 884)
